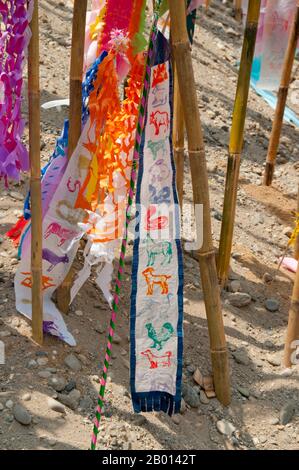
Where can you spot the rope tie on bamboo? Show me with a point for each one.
(202, 254)
(115, 303)
(195, 153)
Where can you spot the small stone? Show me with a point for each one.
(9, 404)
(274, 421)
(21, 415)
(191, 369)
(56, 406)
(100, 329)
(41, 354)
(4, 334)
(225, 427)
(1, 407)
(52, 442)
(267, 277)
(243, 391)
(274, 359)
(26, 397)
(139, 420)
(86, 403)
(234, 286)
(79, 313)
(32, 364)
(287, 372)
(176, 419)
(116, 339)
(190, 396)
(71, 400)
(70, 386)
(73, 363)
(57, 383)
(44, 374)
(203, 398)
(198, 378)
(183, 406)
(241, 357)
(42, 361)
(287, 412)
(239, 299)
(272, 305)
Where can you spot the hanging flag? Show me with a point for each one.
(157, 275)
(14, 39)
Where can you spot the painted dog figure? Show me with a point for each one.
(156, 361)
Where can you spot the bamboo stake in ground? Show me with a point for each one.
(292, 338)
(296, 250)
(182, 54)
(35, 182)
(75, 113)
(238, 10)
(281, 100)
(236, 140)
(178, 140)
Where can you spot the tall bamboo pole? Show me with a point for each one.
(238, 10)
(236, 140)
(75, 113)
(296, 250)
(292, 337)
(182, 55)
(282, 99)
(178, 139)
(35, 182)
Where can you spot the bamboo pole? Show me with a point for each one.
(236, 141)
(178, 140)
(182, 55)
(282, 99)
(292, 337)
(35, 182)
(75, 113)
(296, 250)
(238, 10)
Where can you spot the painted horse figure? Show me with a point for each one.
(153, 249)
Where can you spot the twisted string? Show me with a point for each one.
(140, 127)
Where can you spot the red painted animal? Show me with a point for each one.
(62, 233)
(156, 361)
(160, 119)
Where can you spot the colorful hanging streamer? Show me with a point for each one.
(14, 39)
(140, 126)
(157, 274)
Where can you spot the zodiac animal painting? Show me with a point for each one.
(157, 361)
(153, 280)
(157, 275)
(63, 234)
(53, 259)
(160, 337)
(160, 120)
(161, 249)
